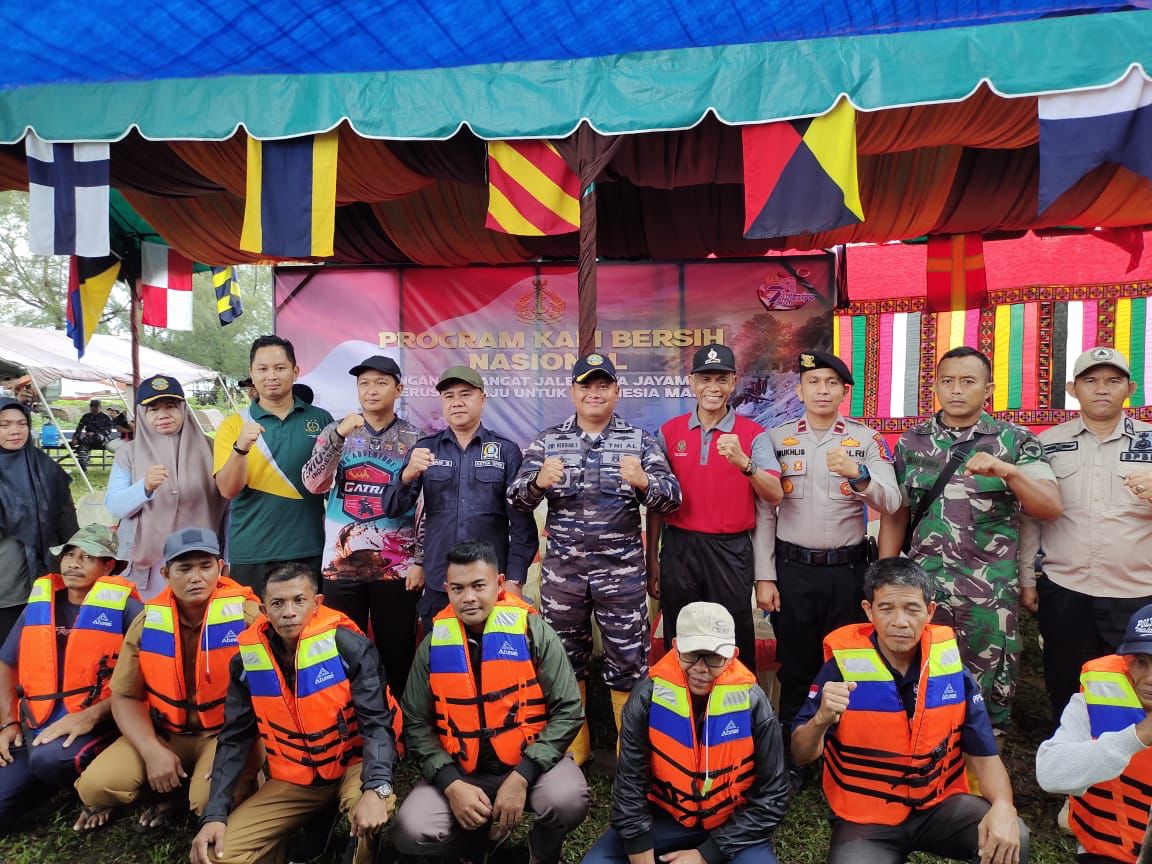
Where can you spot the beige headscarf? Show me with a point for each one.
(188, 497)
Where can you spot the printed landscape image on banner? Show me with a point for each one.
(517, 326)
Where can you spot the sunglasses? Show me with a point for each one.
(712, 661)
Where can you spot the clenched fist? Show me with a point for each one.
(420, 461)
(839, 462)
(633, 472)
(350, 424)
(551, 472)
(156, 475)
(249, 432)
(833, 701)
(987, 465)
(728, 446)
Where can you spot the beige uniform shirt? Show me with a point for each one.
(820, 510)
(1102, 544)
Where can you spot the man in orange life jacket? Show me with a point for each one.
(59, 656)
(700, 778)
(1099, 754)
(490, 708)
(897, 717)
(169, 685)
(300, 665)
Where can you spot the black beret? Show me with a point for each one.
(810, 360)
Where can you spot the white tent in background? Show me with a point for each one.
(49, 355)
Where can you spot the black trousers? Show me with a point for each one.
(712, 567)
(1077, 628)
(814, 601)
(950, 830)
(253, 575)
(391, 609)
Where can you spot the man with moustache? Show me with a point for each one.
(812, 552)
(705, 547)
(595, 470)
(258, 458)
(370, 569)
(964, 532)
(463, 472)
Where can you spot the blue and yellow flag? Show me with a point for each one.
(90, 281)
(800, 175)
(290, 207)
(228, 305)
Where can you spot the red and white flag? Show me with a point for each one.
(165, 287)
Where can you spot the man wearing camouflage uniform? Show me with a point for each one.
(967, 537)
(595, 470)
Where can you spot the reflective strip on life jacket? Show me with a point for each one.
(880, 765)
(511, 711)
(698, 783)
(1110, 818)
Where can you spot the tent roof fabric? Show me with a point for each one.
(49, 355)
(623, 68)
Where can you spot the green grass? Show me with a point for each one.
(801, 839)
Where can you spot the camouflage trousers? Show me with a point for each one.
(597, 585)
(989, 642)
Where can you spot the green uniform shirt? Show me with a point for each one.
(967, 540)
(274, 518)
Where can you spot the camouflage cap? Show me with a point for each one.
(95, 539)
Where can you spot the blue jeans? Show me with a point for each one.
(37, 772)
(668, 835)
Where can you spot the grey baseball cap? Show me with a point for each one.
(190, 540)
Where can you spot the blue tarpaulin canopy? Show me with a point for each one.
(199, 69)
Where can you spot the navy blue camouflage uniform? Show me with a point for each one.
(594, 562)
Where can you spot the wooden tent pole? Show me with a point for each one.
(134, 320)
(593, 152)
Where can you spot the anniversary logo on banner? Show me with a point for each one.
(518, 327)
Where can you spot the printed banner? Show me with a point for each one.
(518, 327)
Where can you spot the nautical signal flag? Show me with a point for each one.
(67, 198)
(165, 287)
(1080, 131)
(956, 277)
(90, 281)
(531, 189)
(290, 203)
(228, 305)
(800, 175)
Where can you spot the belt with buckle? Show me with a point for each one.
(822, 557)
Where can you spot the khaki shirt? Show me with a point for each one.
(820, 510)
(127, 679)
(1101, 544)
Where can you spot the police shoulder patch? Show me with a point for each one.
(882, 446)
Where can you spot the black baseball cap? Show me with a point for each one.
(303, 392)
(1138, 634)
(714, 358)
(377, 363)
(810, 360)
(158, 387)
(591, 365)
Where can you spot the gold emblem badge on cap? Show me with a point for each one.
(594, 360)
(807, 361)
(159, 383)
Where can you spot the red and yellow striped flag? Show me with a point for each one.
(531, 189)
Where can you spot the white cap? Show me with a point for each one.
(705, 627)
(1100, 356)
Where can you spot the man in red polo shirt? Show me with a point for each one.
(705, 548)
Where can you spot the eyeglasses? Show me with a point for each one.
(711, 660)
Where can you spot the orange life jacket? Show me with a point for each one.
(162, 665)
(879, 764)
(89, 655)
(1110, 818)
(303, 744)
(511, 711)
(700, 784)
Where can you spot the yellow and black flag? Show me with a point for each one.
(800, 175)
(90, 281)
(228, 305)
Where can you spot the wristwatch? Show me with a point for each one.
(383, 791)
(750, 469)
(864, 477)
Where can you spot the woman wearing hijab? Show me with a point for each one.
(36, 510)
(161, 480)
